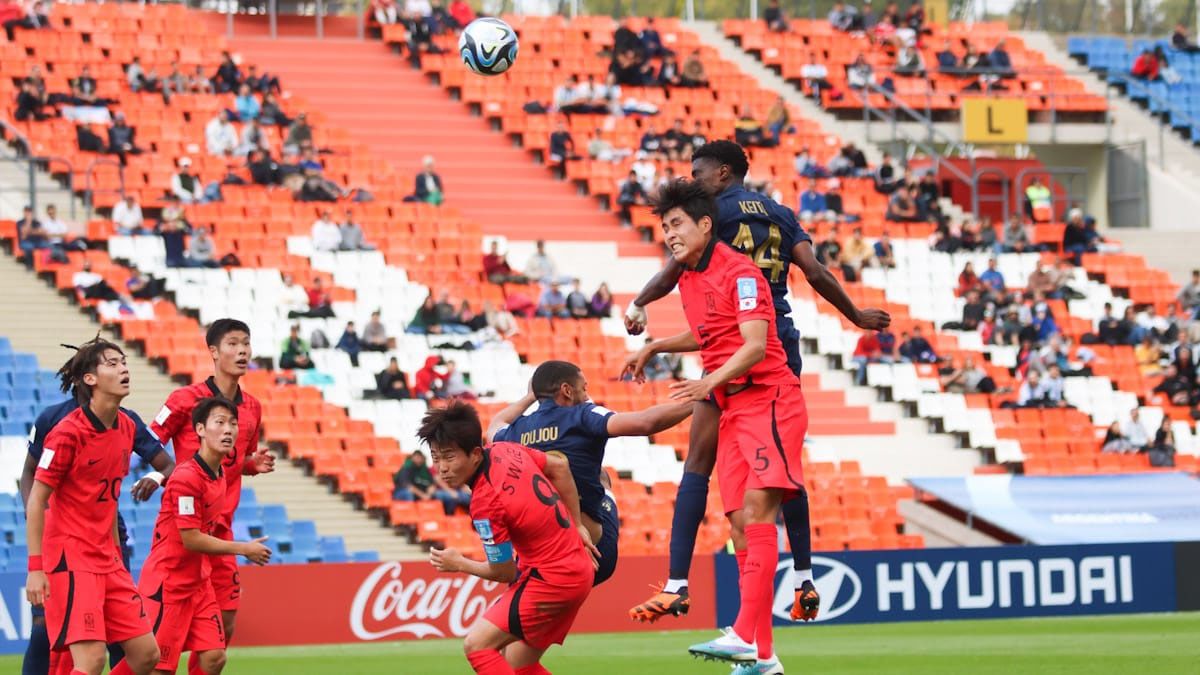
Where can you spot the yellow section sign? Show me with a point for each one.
(995, 120)
(937, 12)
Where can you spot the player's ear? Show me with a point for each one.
(705, 224)
(90, 379)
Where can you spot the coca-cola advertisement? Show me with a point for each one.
(363, 602)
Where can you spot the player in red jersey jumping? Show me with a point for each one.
(229, 344)
(731, 322)
(175, 581)
(524, 506)
(71, 523)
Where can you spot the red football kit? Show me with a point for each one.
(174, 423)
(175, 582)
(92, 596)
(516, 511)
(763, 415)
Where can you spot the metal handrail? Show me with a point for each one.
(927, 146)
(1005, 191)
(1133, 83)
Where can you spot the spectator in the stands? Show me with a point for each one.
(425, 319)
(428, 382)
(1030, 394)
(676, 143)
(201, 250)
(253, 138)
(629, 69)
(577, 303)
(138, 78)
(144, 287)
(993, 279)
(448, 316)
(774, 17)
(668, 73)
(561, 146)
(294, 353)
(29, 103)
(812, 204)
(352, 236)
(566, 97)
(1162, 451)
(261, 84)
(227, 77)
(540, 266)
(909, 61)
(816, 77)
(316, 188)
(860, 74)
(299, 135)
(1145, 66)
(972, 312)
(497, 269)
(652, 43)
(1076, 240)
(902, 207)
(272, 113)
(748, 131)
(1043, 322)
(887, 179)
(552, 302)
(199, 83)
(185, 185)
(834, 204)
(779, 119)
(1148, 356)
(866, 351)
(968, 379)
(1038, 201)
(58, 233)
(1189, 296)
(650, 144)
(693, 74)
(885, 255)
(220, 137)
(413, 481)
(1135, 432)
(175, 82)
(1016, 238)
(947, 59)
(972, 60)
(1053, 386)
(392, 382)
(601, 303)
(374, 335)
(427, 186)
(263, 170)
(1176, 388)
(121, 140)
(320, 303)
(350, 343)
(999, 62)
(83, 88)
(928, 194)
(857, 253)
(462, 12)
(127, 216)
(293, 298)
(92, 286)
(915, 348)
(841, 17)
(456, 383)
(309, 161)
(326, 236)
(1181, 41)
(630, 193)
(1114, 441)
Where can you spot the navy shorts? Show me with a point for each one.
(790, 337)
(610, 524)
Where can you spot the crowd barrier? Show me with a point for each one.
(365, 602)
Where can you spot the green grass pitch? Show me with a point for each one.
(1157, 644)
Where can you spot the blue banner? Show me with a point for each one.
(972, 583)
(1100, 509)
(14, 613)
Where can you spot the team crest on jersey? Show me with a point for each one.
(747, 290)
(484, 529)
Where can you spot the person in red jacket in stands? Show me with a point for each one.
(461, 12)
(429, 383)
(1146, 66)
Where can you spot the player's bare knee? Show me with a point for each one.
(212, 661)
(90, 658)
(143, 658)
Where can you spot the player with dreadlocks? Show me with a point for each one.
(71, 521)
(37, 653)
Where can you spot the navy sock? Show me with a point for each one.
(799, 533)
(690, 502)
(37, 654)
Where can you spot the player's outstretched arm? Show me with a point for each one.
(37, 586)
(659, 286)
(828, 287)
(753, 349)
(255, 551)
(635, 364)
(650, 421)
(509, 415)
(452, 560)
(163, 466)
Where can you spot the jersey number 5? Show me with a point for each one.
(550, 498)
(765, 254)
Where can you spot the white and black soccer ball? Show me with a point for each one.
(488, 46)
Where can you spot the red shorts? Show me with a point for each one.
(87, 606)
(226, 581)
(760, 441)
(537, 612)
(190, 623)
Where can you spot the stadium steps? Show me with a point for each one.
(308, 500)
(710, 33)
(45, 320)
(940, 529)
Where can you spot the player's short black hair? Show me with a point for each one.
(550, 376)
(687, 195)
(222, 327)
(455, 425)
(205, 407)
(86, 359)
(725, 152)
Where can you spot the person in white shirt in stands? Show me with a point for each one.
(220, 137)
(293, 299)
(326, 236)
(55, 229)
(540, 266)
(816, 75)
(127, 216)
(1135, 432)
(186, 185)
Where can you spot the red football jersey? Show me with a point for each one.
(515, 509)
(84, 462)
(725, 290)
(192, 500)
(174, 423)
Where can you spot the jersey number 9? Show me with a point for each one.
(550, 498)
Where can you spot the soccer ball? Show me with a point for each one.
(488, 46)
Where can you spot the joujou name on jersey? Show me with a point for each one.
(441, 606)
(542, 435)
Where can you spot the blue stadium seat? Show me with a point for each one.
(274, 513)
(248, 498)
(5, 345)
(366, 556)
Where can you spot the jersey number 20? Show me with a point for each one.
(765, 254)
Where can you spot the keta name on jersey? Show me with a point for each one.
(753, 207)
(542, 435)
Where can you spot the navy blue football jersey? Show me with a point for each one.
(577, 432)
(145, 445)
(763, 229)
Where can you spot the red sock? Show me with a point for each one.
(753, 622)
(489, 662)
(532, 669)
(122, 668)
(740, 556)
